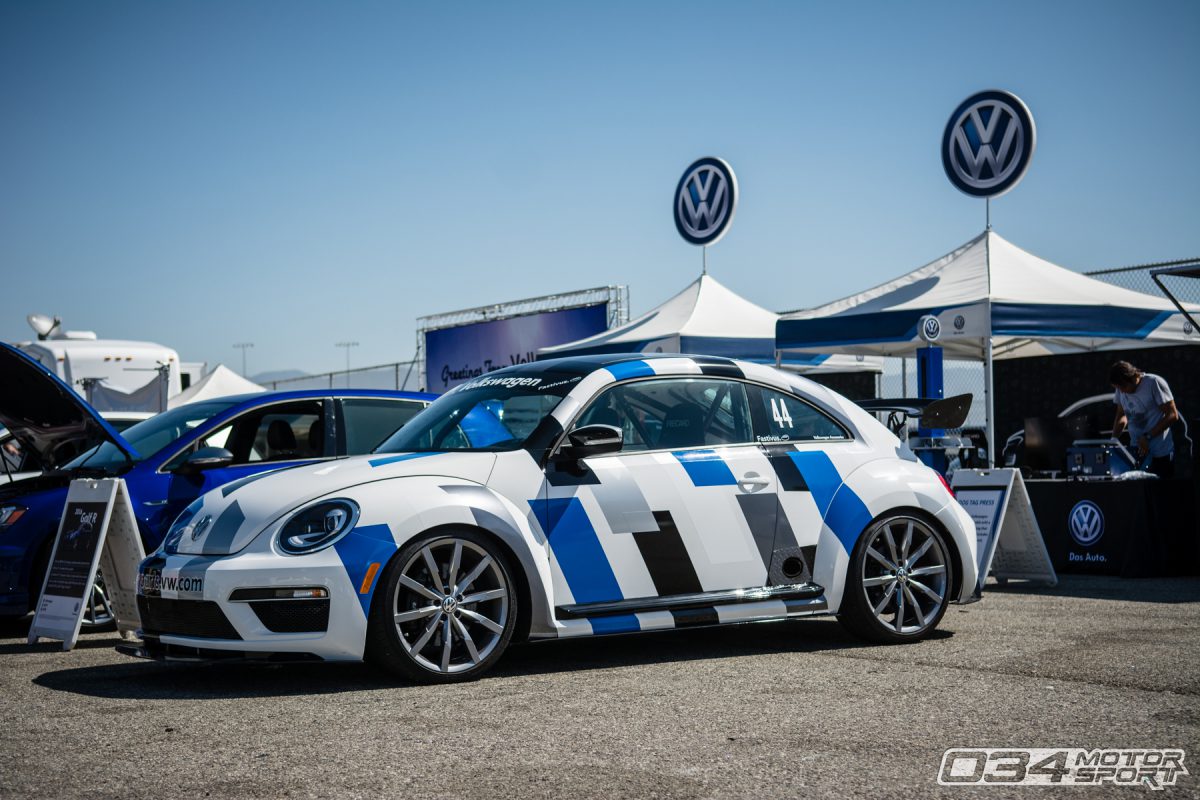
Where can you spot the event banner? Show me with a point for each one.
(455, 355)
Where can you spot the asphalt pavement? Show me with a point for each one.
(785, 710)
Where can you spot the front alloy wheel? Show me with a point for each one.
(97, 614)
(447, 611)
(899, 581)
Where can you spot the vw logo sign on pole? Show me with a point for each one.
(988, 143)
(705, 201)
(931, 328)
(1086, 522)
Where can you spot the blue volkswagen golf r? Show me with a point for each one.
(167, 461)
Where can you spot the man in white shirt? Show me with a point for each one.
(1145, 403)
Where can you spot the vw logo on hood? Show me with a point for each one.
(931, 328)
(1086, 522)
(988, 143)
(705, 201)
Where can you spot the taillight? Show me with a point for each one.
(946, 483)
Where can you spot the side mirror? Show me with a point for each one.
(591, 440)
(206, 458)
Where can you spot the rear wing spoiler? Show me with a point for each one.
(948, 412)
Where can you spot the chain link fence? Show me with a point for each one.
(401, 375)
(1140, 279)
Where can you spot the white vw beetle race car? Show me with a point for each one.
(574, 497)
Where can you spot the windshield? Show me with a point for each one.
(490, 413)
(150, 436)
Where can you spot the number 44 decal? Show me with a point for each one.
(779, 413)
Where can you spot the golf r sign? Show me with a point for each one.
(988, 143)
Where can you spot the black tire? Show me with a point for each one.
(479, 631)
(874, 589)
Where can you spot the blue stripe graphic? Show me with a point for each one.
(843, 511)
(577, 549)
(630, 369)
(379, 462)
(705, 468)
(359, 549)
(624, 623)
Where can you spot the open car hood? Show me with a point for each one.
(45, 416)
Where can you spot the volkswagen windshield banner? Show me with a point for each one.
(705, 201)
(988, 143)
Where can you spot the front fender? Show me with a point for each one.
(413, 506)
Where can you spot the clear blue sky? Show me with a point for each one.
(297, 173)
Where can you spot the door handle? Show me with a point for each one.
(752, 482)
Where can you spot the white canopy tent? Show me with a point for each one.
(992, 300)
(221, 382)
(709, 319)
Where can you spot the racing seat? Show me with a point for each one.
(683, 426)
(281, 441)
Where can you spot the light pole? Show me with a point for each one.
(347, 346)
(243, 346)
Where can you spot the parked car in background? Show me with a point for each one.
(571, 497)
(167, 460)
(17, 463)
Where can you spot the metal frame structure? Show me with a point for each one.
(617, 298)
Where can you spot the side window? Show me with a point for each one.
(674, 413)
(784, 418)
(369, 421)
(280, 432)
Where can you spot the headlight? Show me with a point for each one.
(318, 526)
(9, 515)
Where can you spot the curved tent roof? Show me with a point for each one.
(705, 318)
(988, 287)
(221, 382)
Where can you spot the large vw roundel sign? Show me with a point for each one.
(988, 143)
(705, 201)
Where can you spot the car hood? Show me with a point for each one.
(46, 416)
(227, 519)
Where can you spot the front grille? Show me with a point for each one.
(200, 618)
(293, 616)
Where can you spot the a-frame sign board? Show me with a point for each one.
(97, 531)
(1008, 539)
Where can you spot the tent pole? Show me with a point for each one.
(704, 259)
(987, 204)
(991, 402)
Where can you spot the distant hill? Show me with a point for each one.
(278, 375)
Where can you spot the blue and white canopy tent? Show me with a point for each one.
(992, 300)
(706, 318)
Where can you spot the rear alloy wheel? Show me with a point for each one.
(446, 609)
(899, 581)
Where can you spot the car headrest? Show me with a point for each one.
(280, 436)
(316, 437)
(683, 426)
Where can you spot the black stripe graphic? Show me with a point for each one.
(784, 535)
(695, 617)
(718, 367)
(761, 512)
(666, 558)
(570, 475)
(810, 558)
(790, 479)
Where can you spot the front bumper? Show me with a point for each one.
(198, 608)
